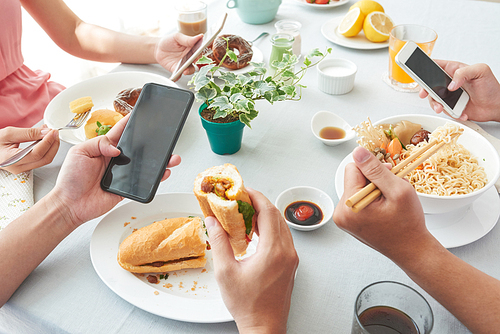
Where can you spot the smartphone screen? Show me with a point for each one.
(147, 142)
(434, 76)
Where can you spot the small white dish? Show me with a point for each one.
(360, 42)
(336, 76)
(306, 194)
(323, 119)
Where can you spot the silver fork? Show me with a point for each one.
(75, 123)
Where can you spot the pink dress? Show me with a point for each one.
(24, 94)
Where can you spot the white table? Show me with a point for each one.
(64, 294)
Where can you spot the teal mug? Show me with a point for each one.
(255, 11)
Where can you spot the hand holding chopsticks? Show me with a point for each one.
(368, 194)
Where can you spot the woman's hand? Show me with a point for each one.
(483, 88)
(171, 48)
(43, 153)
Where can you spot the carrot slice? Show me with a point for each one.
(394, 147)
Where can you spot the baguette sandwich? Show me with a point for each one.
(166, 245)
(221, 193)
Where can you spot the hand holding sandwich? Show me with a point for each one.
(76, 198)
(257, 290)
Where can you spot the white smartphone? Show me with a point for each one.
(195, 51)
(431, 77)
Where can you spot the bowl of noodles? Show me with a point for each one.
(452, 178)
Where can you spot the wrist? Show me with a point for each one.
(62, 209)
(262, 324)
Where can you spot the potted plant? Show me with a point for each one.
(229, 99)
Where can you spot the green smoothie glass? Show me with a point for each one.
(282, 44)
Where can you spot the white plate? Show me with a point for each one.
(258, 57)
(103, 90)
(456, 228)
(194, 295)
(329, 30)
(328, 5)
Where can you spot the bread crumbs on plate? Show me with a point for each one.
(167, 285)
(127, 223)
(156, 293)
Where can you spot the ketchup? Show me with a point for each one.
(303, 213)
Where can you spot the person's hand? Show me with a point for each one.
(171, 48)
(257, 290)
(483, 88)
(393, 224)
(78, 189)
(43, 153)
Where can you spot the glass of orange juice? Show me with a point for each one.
(423, 36)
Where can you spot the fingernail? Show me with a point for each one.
(209, 223)
(452, 85)
(44, 131)
(361, 154)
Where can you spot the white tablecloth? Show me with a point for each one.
(64, 294)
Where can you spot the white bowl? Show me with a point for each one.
(336, 76)
(477, 145)
(323, 119)
(309, 194)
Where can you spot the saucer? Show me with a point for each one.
(456, 228)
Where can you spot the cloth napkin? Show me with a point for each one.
(16, 195)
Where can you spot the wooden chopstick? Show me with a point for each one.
(368, 194)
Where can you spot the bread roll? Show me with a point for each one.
(105, 117)
(166, 245)
(226, 210)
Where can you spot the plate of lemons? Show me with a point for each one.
(366, 26)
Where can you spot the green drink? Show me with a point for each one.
(282, 44)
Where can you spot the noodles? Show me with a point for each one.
(451, 171)
(369, 136)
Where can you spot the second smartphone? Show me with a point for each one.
(431, 77)
(147, 142)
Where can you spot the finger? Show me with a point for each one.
(422, 93)
(175, 160)
(354, 180)
(219, 243)
(374, 171)
(42, 154)
(467, 73)
(116, 131)
(22, 135)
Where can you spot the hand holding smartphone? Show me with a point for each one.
(147, 142)
(431, 77)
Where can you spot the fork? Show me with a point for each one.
(260, 36)
(75, 123)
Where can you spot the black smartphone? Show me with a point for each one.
(147, 142)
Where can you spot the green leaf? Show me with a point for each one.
(236, 97)
(232, 55)
(206, 94)
(221, 114)
(307, 62)
(204, 60)
(289, 90)
(222, 103)
(230, 78)
(314, 53)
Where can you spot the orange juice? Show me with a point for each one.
(425, 39)
(396, 72)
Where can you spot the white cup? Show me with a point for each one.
(336, 76)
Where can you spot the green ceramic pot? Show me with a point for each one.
(224, 138)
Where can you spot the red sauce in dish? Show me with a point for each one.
(303, 213)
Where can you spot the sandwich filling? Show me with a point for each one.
(220, 186)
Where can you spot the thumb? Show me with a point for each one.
(375, 171)
(219, 242)
(467, 73)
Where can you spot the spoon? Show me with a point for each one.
(260, 36)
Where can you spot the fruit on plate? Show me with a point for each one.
(319, 2)
(368, 6)
(352, 23)
(377, 26)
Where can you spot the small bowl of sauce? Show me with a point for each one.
(331, 129)
(305, 208)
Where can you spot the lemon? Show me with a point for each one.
(377, 27)
(368, 6)
(352, 23)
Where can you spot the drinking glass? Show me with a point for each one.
(391, 307)
(399, 35)
(192, 17)
(281, 44)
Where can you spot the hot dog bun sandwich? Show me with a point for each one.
(221, 193)
(166, 245)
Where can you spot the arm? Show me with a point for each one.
(96, 43)
(394, 225)
(483, 88)
(31, 237)
(43, 153)
(257, 290)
